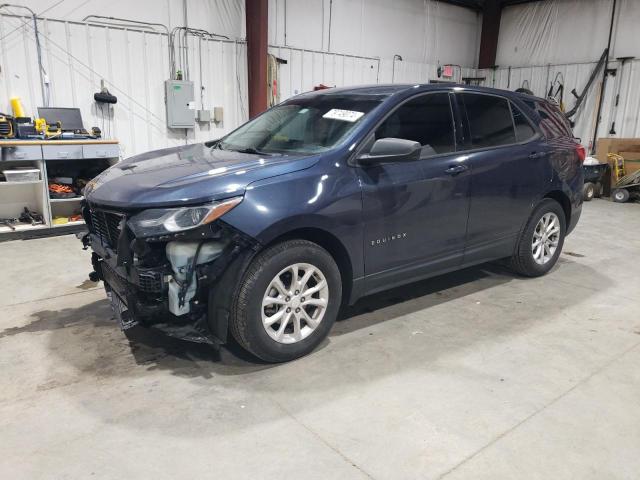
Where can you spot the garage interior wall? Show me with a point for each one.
(346, 42)
(539, 41)
(330, 42)
(132, 61)
(333, 42)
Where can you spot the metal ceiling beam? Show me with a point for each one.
(489, 36)
(476, 5)
(256, 12)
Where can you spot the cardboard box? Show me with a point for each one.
(628, 148)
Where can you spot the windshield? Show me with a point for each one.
(304, 125)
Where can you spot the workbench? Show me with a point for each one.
(51, 157)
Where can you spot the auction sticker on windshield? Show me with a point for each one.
(344, 115)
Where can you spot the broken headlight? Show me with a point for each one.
(163, 221)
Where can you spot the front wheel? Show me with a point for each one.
(541, 241)
(287, 301)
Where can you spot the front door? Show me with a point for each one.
(415, 213)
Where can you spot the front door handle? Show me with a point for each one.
(455, 170)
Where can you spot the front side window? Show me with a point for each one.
(427, 120)
(304, 125)
(524, 130)
(489, 119)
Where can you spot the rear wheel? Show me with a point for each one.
(620, 195)
(588, 191)
(287, 301)
(541, 241)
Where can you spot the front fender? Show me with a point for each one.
(322, 198)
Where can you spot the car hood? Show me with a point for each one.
(186, 175)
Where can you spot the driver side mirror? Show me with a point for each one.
(391, 150)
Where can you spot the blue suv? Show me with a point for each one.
(328, 197)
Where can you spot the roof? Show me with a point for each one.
(386, 90)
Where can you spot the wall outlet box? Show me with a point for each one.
(218, 114)
(203, 116)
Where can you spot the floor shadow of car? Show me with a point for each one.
(89, 337)
(417, 296)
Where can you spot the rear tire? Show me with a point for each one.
(267, 291)
(545, 230)
(620, 195)
(588, 191)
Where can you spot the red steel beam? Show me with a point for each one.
(490, 31)
(256, 17)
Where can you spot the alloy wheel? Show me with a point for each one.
(546, 237)
(295, 303)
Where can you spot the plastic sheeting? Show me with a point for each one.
(421, 31)
(566, 32)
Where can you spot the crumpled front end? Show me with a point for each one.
(166, 281)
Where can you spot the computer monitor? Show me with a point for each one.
(70, 118)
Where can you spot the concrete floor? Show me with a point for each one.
(476, 374)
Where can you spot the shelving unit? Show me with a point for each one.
(55, 157)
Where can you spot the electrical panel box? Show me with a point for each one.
(181, 104)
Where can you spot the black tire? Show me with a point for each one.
(620, 195)
(246, 313)
(588, 191)
(598, 192)
(522, 261)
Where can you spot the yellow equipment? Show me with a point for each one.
(40, 125)
(16, 105)
(47, 130)
(6, 126)
(617, 165)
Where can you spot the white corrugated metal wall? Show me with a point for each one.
(134, 64)
(306, 69)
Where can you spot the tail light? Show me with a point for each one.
(582, 153)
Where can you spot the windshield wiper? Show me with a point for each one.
(252, 150)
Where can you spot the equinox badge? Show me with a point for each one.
(384, 240)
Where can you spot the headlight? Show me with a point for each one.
(162, 221)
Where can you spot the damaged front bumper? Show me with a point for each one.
(168, 283)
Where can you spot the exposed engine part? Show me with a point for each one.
(184, 257)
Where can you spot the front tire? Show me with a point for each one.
(287, 301)
(541, 241)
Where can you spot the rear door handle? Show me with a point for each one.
(534, 155)
(455, 170)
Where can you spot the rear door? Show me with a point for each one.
(415, 213)
(508, 158)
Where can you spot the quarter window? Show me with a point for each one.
(524, 130)
(553, 123)
(427, 120)
(489, 120)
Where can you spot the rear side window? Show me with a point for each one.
(426, 119)
(553, 123)
(489, 120)
(524, 130)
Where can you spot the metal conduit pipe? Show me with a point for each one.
(105, 20)
(41, 71)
